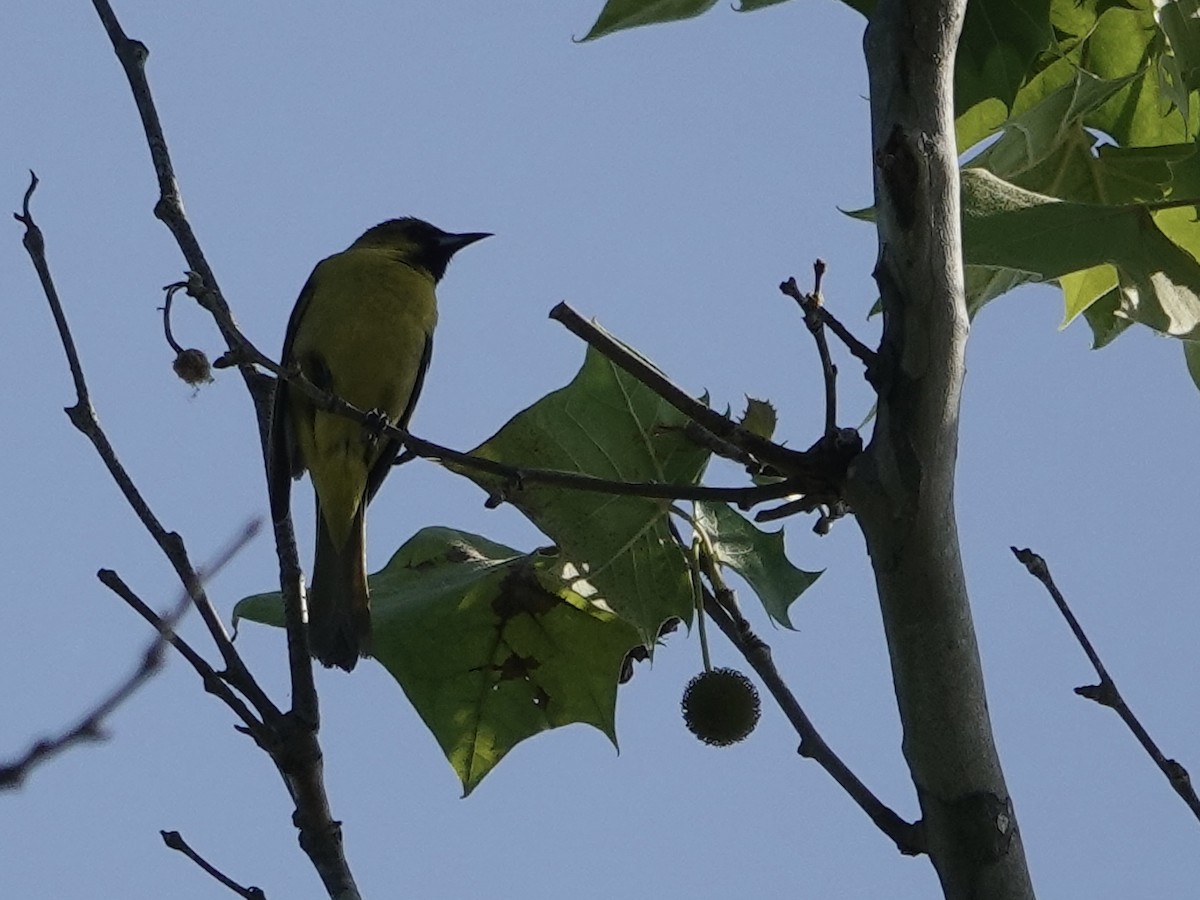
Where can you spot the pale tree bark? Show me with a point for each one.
(902, 487)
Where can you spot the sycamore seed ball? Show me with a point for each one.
(192, 366)
(721, 707)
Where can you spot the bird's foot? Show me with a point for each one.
(374, 424)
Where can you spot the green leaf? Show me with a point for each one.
(1124, 42)
(1000, 41)
(605, 424)
(985, 283)
(490, 645)
(759, 418)
(752, 5)
(1113, 40)
(758, 556)
(1105, 319)
(1083, 288)
(618, 15)
(1008, 227)
(1041, 130)
(1048, 149)
(1191, 355)
(1180, 68)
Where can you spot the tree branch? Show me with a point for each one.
(291, 739)
(820, 469)
(811, 305)
(90, 725)
(132, 55)
(175, 841)
(857, 348)
(743, 497)
(902, 487)
(213, 682)
(1106, 693)
(723, 611)
(83, 417)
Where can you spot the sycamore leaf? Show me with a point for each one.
(759, 418)
(1191, 355)
(490, 645)
(618, 15)
(1179, 70)
(758, 556)
(605, 424)
(1126, 41)
(1117, 40)
(1000, 41)
(1084, 288)
(1041, 130)
(1006, 226)
(1105, 318)
(985, 283)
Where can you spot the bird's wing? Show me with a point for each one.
(283, 457)
(383, 465)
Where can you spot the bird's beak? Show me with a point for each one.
(452, 243)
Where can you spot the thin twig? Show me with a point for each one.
(811, 305)
(290, 739)
(1105, 693)
(743, 497)
(857, 348)
(820, 463)
(171, 290)
(906, 836)
(90, 725)
(791, 508)
(213, 682)
(132, 55)
(701, 436)
(175, 841)
(83, 417)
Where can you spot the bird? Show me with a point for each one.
(362, 329)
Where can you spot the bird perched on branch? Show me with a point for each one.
(363, 331)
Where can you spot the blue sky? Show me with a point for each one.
(664, 181)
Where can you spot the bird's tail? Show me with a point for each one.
(339, 608)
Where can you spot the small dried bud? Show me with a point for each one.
(192, 366)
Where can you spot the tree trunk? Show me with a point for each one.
(902, 487)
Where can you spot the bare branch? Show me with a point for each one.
(518, 477)
(811, 305)
(820, 469)
(132, 55)
(90, 726)
(857, 348)
(723, 610)
(175, 841)
(291, 739)
(83, 417)
(720, 604)
(1105, 693)
(213, 682)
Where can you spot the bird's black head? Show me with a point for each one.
(418, 243)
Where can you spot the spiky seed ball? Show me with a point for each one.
(721, 707)
(192, 366)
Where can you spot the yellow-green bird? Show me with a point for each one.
(363, 330)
